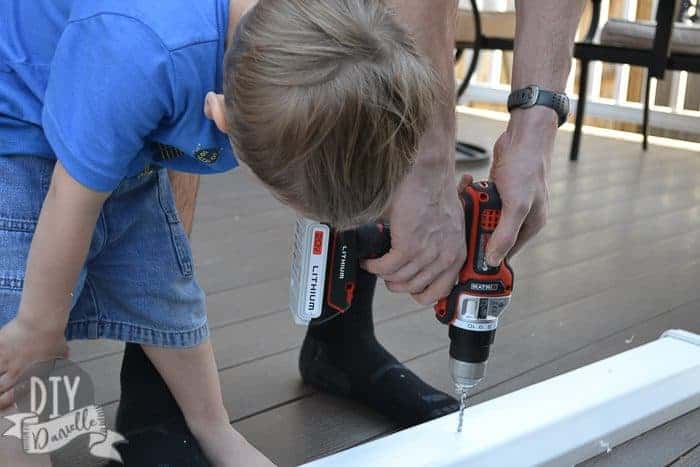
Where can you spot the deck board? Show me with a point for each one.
(659, 447)
(585, 290)
(689, 459)
(244, 344)
(684, 316)
(520, 347)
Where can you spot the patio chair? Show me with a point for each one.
(476, 30)
(655, 45)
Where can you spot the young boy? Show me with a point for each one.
(325, 101)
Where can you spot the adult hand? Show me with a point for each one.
(520, 171)
(427, 237)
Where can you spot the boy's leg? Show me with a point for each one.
(148, 414)
(150, 419)
(342, 356)
(146, 401)
(192, 376)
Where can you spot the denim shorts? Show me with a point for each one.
(138, 283)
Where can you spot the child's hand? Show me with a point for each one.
(23, 344)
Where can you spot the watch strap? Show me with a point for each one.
(531, 96)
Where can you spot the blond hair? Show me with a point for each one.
(326, 101)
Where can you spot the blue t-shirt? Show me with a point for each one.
(108, 86)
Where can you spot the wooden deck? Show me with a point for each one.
(617, 264)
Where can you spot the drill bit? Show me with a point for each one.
(463, 393)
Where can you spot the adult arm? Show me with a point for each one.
(544, 40)
(423, 214)
(426, 217)
(185, 187)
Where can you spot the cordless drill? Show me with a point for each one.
(325, 263)
(482, 293)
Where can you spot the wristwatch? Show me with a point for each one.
(533, 95)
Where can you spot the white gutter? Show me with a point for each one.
(559, 422)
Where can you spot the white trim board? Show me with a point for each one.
(589, 130)
(687, 121)
(559, 422)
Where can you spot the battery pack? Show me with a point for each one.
(308, 272)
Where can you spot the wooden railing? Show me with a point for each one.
(615, 90)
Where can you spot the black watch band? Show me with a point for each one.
(533, 95)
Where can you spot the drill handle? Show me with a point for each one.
(372, 241)
(482, 212)
(347, 249)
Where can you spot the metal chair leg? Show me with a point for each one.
(469, 151)
(645, 124)
(580, 110)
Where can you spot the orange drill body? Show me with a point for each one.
(482, 212)
(473, 308)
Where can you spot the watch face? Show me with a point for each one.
(532, 93)
(523, 98)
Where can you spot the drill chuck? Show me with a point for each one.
(466, 375)
(469, 353)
